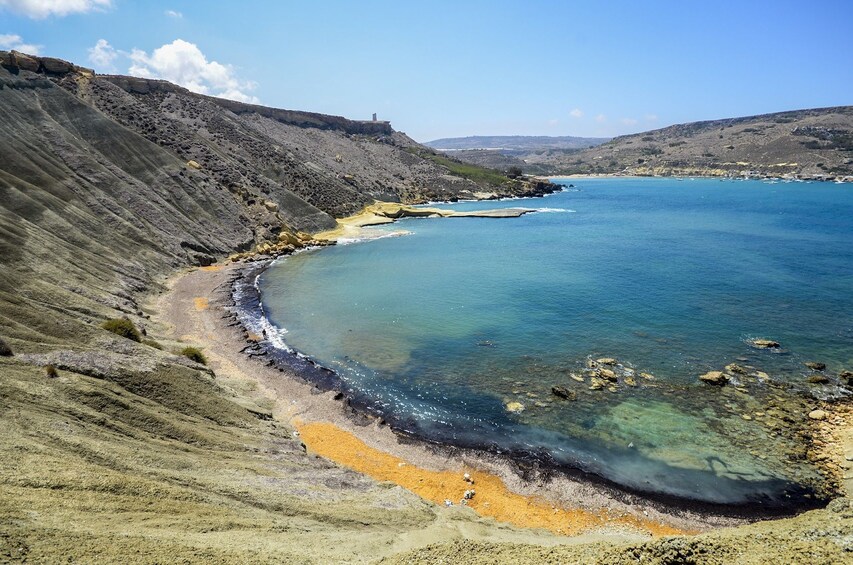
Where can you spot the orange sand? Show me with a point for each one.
(201, 303)
(212, 268)
(492, 498)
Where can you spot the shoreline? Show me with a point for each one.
(291, 399)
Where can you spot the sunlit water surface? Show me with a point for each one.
(440, 329)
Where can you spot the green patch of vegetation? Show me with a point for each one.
(152, 343)
(648, 138)
(194, 354)
(460, 169)
(5, 350)
(514, 172)
(652, 150)
(122, 327)
(677, 143)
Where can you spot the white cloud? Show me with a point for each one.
(39, 9)
(174, 14)
(183, 63)
(601, 118)
(103, 55)
(576, 113)
(629, 121)
(651, 117)
(12, 41)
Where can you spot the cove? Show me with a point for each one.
(461, 331)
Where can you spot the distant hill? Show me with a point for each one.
(515, 142)
(815, 143)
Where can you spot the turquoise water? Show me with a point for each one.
(439, 330)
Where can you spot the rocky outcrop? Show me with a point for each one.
(15, 61)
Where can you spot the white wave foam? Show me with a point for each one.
(554, 210)
(371, 237)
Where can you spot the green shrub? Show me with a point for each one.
(152, 343)
(51, 371)
(195, 354)
(122, 327)
(5, 350)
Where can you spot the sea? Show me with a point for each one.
(457, 330)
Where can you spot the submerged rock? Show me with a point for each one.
(818, 379)
(648, 376)
(715, 378)
(514, 407)
(764, 344)
(608, 374)
(814, 366)
(596, 384)
(563, 392)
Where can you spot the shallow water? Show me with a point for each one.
(440, 329)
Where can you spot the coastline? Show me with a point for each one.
(333, 425)
(292, 399)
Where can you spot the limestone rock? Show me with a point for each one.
(563, 392)
(596, 384)
(818, 415)
(608, 374)
(24, 62)
(734, 368)
(606, 361)
(714, 378)
(818, 379)
(846, 377)
(815, 366)
(764, 344)
(514, 407)
(56, 66)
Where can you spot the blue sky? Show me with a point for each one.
(446, 69)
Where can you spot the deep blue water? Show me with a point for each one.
(442, 328)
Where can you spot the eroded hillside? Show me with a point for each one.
(807, 144)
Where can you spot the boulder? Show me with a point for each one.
(764, 344)
(818, 415)
(608, 374)
(56, 66)
(514, 407)
(24, 62)
(717, 378)
(563, 392)
(630, 381)
(818, 379)
(607, 361)
(846, 377)
(736, 369)
(815, 366)
(596, 384)
(648, 376)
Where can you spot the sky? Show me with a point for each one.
(455, 68)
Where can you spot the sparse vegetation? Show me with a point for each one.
(514, 172)
(51, 371)
(458, 168)
(122, 327)
(152, 343)
(5, 350)
(194, 354)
